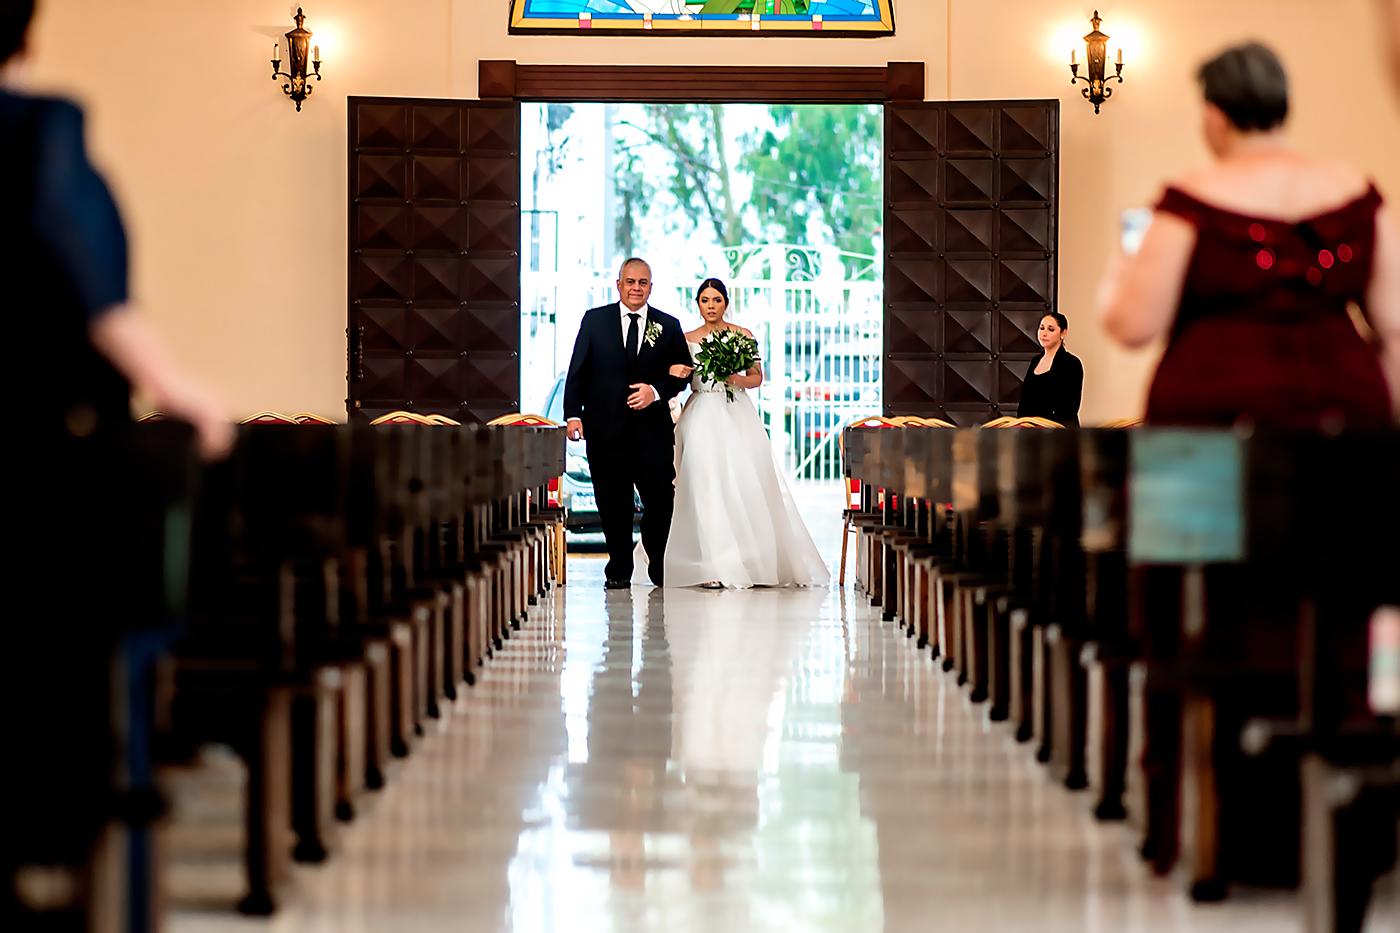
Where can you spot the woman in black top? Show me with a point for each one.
(65, 280)
(1054, 383)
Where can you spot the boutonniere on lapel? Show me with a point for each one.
(653, 334)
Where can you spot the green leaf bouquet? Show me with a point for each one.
(723, 354)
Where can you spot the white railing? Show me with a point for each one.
(817, 316)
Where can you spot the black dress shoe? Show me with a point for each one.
(617, 585)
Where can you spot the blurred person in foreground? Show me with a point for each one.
(1274, 276)
(66, 277)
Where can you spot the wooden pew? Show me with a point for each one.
(343, 584)
(976, 571)
(353, 578)
(101, 525)
(1109, 649)
(1037, 476)
(873, 512)
(1214, 619)
(856, 445)
(1067, 631)
(261, 668)
(1272, 595)
(926, 543)
(928, 491)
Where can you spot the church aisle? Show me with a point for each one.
(731, 761)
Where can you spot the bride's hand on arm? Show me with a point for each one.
(681, 371)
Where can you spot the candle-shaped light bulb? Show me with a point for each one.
(1120, 56)
(1073, 57)
(316, 54)
(277, 51)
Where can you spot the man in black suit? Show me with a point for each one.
(618, 386)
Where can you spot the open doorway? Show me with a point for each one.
(968, 239)
(782, 201)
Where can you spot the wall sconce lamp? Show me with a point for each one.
(1097, 90)
(297, 86)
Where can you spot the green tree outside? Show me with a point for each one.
(815, 176)
(823, 162)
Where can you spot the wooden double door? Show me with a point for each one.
(971, 241)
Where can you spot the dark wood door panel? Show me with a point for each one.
(434, 263)
(971, 220)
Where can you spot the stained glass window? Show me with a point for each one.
(816, 17)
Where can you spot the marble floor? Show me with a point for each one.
(687, 760)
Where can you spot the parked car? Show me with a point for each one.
(844, 383)
(808, 337)
(576, 486)
(847, 372)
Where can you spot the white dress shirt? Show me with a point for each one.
(641, 323)
(641, 332)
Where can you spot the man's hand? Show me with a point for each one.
(575, 429)
(642, 396)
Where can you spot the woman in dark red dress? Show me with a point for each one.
(1264, 271)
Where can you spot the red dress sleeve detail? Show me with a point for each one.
(1178, 202)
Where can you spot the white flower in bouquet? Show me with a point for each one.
(726, 353)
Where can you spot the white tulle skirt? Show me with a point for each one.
(735, 520)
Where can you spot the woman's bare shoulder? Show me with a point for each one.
(1342, 174)
(695, 334)
(1294, 185)
(1212, 183)
(1331, 181)
(745, 331)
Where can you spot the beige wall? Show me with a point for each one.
(236, 203)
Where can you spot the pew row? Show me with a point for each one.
(1176, 620)
(312, 603)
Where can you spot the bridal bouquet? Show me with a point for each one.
(723, 354)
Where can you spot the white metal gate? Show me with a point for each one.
(816, 312)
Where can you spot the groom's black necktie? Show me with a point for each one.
(632, 336)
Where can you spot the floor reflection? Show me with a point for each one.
(700, 777)
(765, 760)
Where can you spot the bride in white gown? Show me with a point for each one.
(735, 521)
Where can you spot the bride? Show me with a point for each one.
(735, 522)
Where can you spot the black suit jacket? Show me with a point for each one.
(64, 258)
(1055, 394)
(600, 376)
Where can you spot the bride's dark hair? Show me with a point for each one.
(717, 285)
